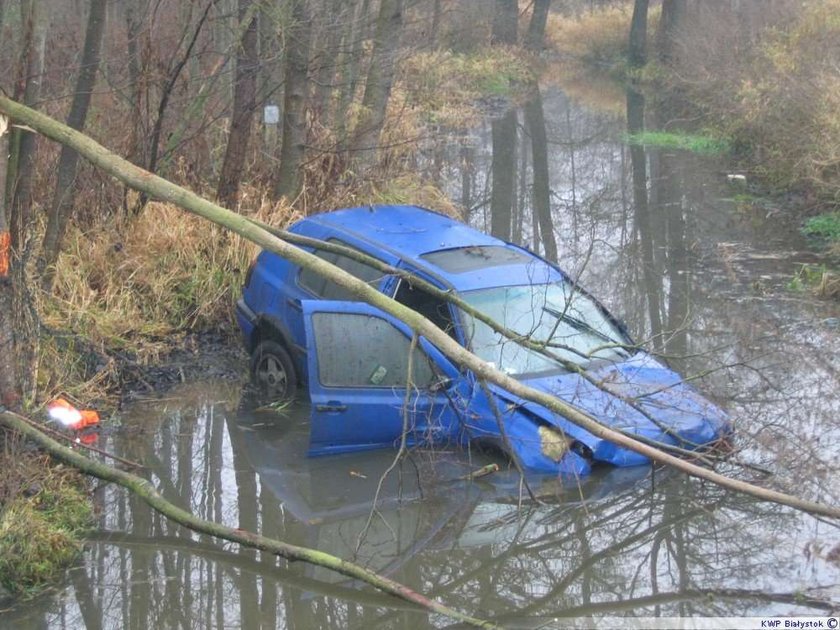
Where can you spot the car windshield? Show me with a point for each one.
(571, 324)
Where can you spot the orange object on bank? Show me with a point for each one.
(5, 251)
(68, 416)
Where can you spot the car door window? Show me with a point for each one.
(329, 290)
(355, 350)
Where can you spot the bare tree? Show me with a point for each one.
(380, 79)
(638, 34)
(673, 14)
(189, 36)
(352, 47)
(536, 27)
(244, 104)
(505, 22)
(8, 374)
(22, 143)
(62, 201)
(504, 175)
(292, 149)
(535, 119)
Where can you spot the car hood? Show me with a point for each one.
(638, 396)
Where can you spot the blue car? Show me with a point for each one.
(301, 329)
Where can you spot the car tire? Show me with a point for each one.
(272, 370)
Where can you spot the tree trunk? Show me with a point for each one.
(8, 362)
(350, 64)
(293, 143)
(336, 14)
(244, 104)
(536, 27)
(380, 79)
(503, 171)
(535, 120)
(434, 30)
(133, 11)
(62, 201)
(282, 243)
(637, 49)
(673, 13)
(166, 94)
(638, 161)
(505, 22)
(20, 202)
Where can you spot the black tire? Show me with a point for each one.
(273, 371)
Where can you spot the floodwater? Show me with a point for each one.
(698, 270)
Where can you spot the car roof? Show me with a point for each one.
(410, 232)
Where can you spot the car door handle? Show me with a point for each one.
(331, 407)
(295, 304)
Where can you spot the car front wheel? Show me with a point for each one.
(272, 370)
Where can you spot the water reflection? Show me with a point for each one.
(659, 237)
(625, 540)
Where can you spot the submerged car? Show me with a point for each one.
(302, 329)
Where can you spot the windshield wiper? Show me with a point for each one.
(581, 325)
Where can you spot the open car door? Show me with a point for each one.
(362, 391)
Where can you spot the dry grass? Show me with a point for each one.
(132, 283)
(780, 100)
(596, 37)
(444, 86)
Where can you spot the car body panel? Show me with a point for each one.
(347, 418)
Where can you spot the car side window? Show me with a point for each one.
(329, 290)
(432, 308)
(357, 350)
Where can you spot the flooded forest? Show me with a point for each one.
(679, 159)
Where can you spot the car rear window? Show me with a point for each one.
(329, 290)
(463, 259)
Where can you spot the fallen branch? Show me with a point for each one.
(159, 188)
(147, 492)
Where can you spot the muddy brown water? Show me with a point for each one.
(691, 265)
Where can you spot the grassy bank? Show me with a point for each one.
(44, 512)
